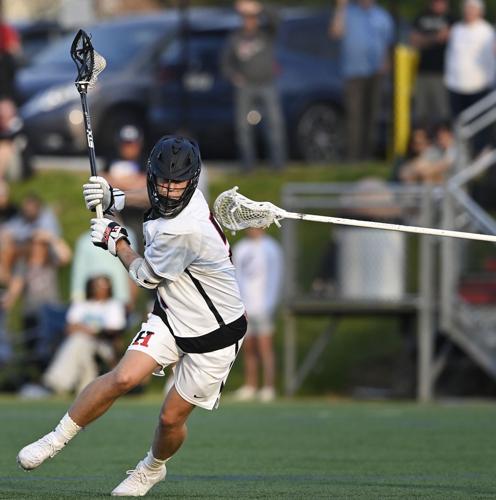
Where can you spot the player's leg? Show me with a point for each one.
(169, 436)
(91, 403)
(171, 430)
(99, 396)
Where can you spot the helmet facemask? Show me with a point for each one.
(172, 160)
(169, 206)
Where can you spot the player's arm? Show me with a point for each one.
(109, 235)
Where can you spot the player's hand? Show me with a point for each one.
(105, 233)
(99, 192)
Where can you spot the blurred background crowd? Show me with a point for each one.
(267, 89)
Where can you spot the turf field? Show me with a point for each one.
(290, 449)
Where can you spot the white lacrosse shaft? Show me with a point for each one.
(386, 226)
(236, 212)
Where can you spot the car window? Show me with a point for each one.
(309, 36)
(203, 51)
(116, 44)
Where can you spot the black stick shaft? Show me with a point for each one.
(90, 142)
(89, 133)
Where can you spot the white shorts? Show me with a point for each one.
(259, 325)
(198, 377)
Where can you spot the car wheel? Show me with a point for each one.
(116, 119)
(319, 134)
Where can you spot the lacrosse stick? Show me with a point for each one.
(235, 212)
(89, 64)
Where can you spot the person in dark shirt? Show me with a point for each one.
(249, 64)
(430, 35)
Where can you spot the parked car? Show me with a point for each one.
(37, 36)
(162, 78)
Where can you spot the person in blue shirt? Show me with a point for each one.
(366, 32)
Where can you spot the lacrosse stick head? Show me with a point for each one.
(89, 62)
(235, 211)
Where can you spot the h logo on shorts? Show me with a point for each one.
(143, 338)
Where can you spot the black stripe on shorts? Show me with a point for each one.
(224, 336)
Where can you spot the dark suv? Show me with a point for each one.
(162, 81)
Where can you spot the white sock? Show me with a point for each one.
(66, 429)
(154, 463)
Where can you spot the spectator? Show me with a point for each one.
(421, 153)
(93, 327)
(259, 263)
(367, 33)
(129, 162)
(248, 62)
(10, 124)
(35, 280)
(126, 172)
(75, 362)
(33, 216)
(8, 211)
(430, 34)
(470, 67)
(10, 48)
(89, 261)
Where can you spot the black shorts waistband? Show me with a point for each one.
(224, 336)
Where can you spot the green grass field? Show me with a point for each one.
(289, 449)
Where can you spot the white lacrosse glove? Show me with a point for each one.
(98, 191)
(105, 233)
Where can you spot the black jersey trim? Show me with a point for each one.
(206, 298)
(224, 336)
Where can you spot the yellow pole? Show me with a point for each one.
(405, 66)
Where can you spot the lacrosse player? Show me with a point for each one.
(198, 321)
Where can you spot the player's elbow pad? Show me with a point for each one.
(142, 274)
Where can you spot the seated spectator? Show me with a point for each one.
(35, 279)
(94, 327)
(430, 161)
(34, 215)
(421, 151)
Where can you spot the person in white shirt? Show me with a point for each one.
(92, 324)
(258, 260)
(470, 61)
(198, 321)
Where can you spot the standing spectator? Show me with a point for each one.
(367, 32)
(470, 68)
(248, 62)
(430, 34)
(258, 260)
(126, 171)
(93, 326)
(10, 124)
(7, 248)
(129, 161)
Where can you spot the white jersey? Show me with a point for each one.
(198, 292)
